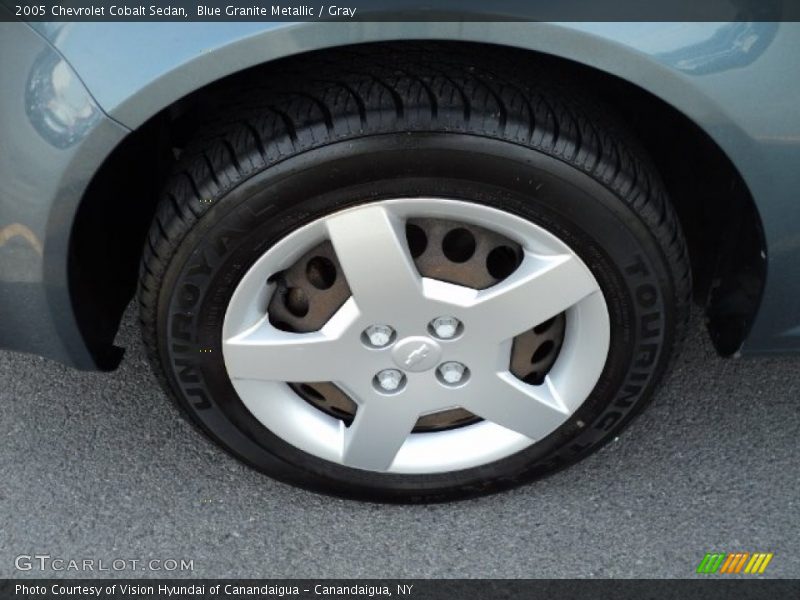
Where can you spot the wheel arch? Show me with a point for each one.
(729, 278)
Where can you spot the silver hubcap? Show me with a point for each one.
(402, 345)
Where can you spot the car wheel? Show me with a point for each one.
(414, 278)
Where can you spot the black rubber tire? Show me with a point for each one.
(349, 127)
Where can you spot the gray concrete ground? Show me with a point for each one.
(100, 466)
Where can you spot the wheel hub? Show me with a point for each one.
(416, 354)
(311, 290)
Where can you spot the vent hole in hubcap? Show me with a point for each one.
(545, 326)
(459, 245)
(543, 351)
(502, 261)
(417, 240)
(297, 302)
(321, 272)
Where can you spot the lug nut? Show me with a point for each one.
(390, 380)
(445, 327)
(378, 335)
(452, 372)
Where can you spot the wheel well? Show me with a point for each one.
(719, 218)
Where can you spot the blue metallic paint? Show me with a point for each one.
(738, 81)
(53, 138)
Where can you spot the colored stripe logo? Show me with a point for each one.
(734, 563)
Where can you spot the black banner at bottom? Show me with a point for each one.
(416, 589)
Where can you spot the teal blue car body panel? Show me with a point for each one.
(737, 81)
(52, 138)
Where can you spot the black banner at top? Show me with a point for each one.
(401, 10)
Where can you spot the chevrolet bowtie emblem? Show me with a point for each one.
(417, 355)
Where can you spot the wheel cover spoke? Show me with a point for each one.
(378, 432)
(538, 290)
(371, 247)
(533, 411)
(268, 354)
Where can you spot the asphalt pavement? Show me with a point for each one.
(100, 467)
